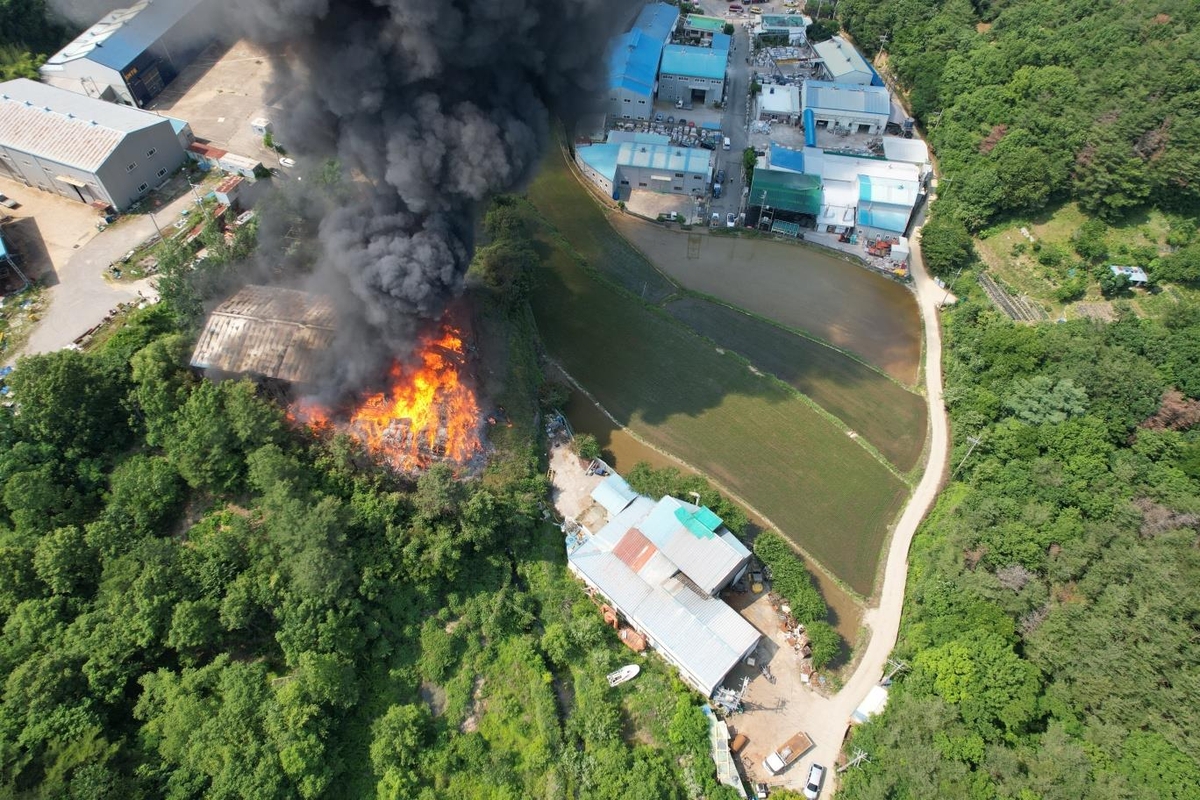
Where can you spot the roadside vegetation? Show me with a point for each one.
(1052, 596)
(1033, 104)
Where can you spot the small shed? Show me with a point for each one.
(1137, 276)
(614, 494)
(871, 705)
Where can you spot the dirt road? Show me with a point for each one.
(825, 719)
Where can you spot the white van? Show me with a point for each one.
(726, 144)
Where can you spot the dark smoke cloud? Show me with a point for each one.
(434, 107)
(430, 107)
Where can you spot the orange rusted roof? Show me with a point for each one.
(634, 549)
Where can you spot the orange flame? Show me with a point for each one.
(425, 414)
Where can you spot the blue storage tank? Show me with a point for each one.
(810, 128)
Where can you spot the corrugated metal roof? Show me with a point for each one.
(634, 549)
(896, 191)
(842, 60)
(65, 127)
(262, 330)
(705, 560)
(694, 62)
(614, 494)
(665, 157)
(691, 628)
(122, 35)
(633, 62)
(884, 216)
(786, 158)
(658, 20)
(852, 97)
(602, 158)
(800, 194)
(912, 151)
(722, 43)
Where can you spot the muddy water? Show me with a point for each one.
(800, 287)
(622, 451)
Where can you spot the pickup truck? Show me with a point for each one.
(787, 753)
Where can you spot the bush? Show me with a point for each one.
(825, 642)
(790, 579)
(586, 446)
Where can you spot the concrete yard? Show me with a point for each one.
(46, 229)
(220, 93)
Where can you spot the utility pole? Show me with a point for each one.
(859, 757)
(951, 285)
(896, 666)
(975, 441)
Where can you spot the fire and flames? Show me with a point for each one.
(426, 413)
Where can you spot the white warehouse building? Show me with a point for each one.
(779, 103)
(841, 63)
(853, 107)
(83, 148)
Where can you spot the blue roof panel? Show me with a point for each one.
(602, 158)
(787, 158)
(658, 20)
(721, 42)
(633, 62)
(694, 62)
(144, 29)
(883, 216)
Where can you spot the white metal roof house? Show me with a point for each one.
(660, 564)
(82, 148)
(854, 107)
(779, 102)
(843, 64)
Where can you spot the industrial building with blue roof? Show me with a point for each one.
(694, 74)
(645, 161)
(131, 54)
(633, 61)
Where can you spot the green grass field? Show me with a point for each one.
(565, 205)
(747, 431)
(877, 408)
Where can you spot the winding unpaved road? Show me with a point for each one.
(825, 719)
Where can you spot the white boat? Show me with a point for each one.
(625, 673)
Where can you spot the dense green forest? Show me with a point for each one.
(198, 599)
(28, 33)
(1053, 602)
(1027, 101)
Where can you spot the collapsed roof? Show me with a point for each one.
(268, 332)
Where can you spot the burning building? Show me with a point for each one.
(421, 412)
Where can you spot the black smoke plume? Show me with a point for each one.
(430, 107)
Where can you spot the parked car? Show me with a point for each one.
(812, 787)
(287, 162)
(658, 117)
(730, 220)
(708, 145)
(671, 120)
(716, 218)
(720, 176)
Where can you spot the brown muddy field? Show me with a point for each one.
(798, 287)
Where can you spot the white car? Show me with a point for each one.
(812, 787)
(287, 162)
(731, 222)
